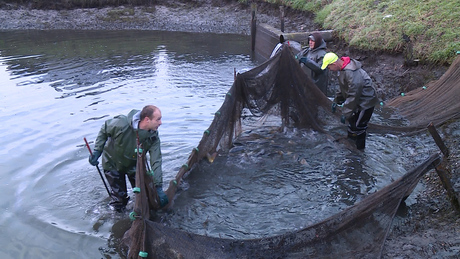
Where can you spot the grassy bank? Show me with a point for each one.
(424, 30)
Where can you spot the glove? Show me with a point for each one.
(303, 60)
(334, 107)
(94, 157)
(342, 119)
(162, 195)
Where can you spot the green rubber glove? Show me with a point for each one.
(342, 119)
(94, 157)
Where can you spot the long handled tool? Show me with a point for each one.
(97, 166)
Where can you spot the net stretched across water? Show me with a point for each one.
(279, 94)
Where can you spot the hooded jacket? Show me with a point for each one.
(313, 69)
(118, 140)
(316, 54)
(356, 91)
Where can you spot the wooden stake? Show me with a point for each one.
(282, 18)
(438, 140)
(253, 26)
(442, 170)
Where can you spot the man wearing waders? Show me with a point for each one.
(356, 94)
(117, 143)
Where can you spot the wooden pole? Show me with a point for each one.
(282, 18)
(99, 170)
(441, 169)
(443, 174)
(253, 26)
(438, 140)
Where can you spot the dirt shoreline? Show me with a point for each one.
(429, 229)
(204, 17)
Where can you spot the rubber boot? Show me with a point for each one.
(361, 141)
(352, 136)
(119, 205)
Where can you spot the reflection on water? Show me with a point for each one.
(57, 87)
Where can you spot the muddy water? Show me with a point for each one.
(271, 183)
(57, 87)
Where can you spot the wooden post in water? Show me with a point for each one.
(282, 18)
(442, 170)
(253, 26)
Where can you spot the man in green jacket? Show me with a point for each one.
(356, 94)
(117, 143)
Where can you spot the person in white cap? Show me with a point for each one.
(356, 93)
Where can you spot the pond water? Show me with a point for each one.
(58, 87)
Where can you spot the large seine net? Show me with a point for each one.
(437, 102)
(279, 89)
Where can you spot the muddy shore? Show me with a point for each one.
(428, 229)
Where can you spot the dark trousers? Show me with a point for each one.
(358, 125)
(119, 191)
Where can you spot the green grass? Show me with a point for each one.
(427, 30)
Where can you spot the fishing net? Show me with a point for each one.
(437, 102)
(357, 232)
(278, 93)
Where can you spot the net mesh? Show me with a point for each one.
(279, 89)
(437, 102)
